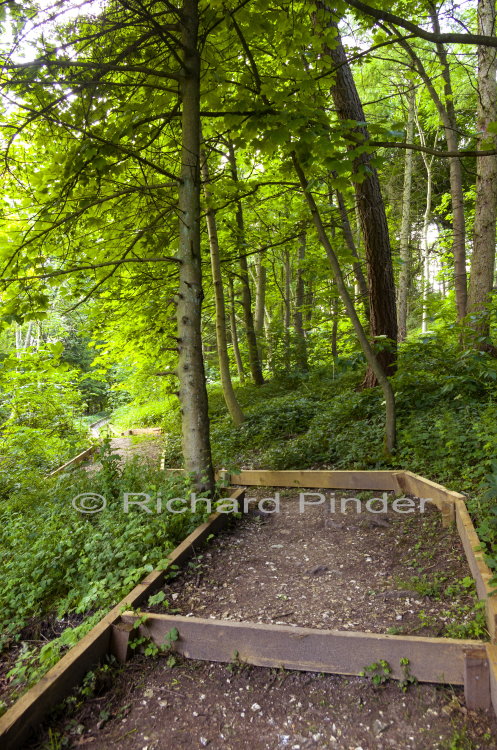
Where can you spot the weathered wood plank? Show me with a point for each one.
(17, 722)
(346, 480)
(120, 638)
(143, 431)
(491, 649)
(439, 660)
(441, 497)
(83, 456)
(479, 569)
(477, 679)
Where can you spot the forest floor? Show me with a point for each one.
(371, 572)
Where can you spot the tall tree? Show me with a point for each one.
(405, 227)
(370, 206)
(370, 355)
(190, 369)
(221, 336)
(300, 341)
(253, 351)
(483, 259)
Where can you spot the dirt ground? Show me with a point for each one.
(148, 447)
(152, 706)
(374, 572)
(370, 572)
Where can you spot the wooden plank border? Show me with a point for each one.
(143, 431)
(29, 710)
(452, 506)
(345, 480)
(491, 649)
(479, 569)
(435, 660)
(79, 459)
(88, 452)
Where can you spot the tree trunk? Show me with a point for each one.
(190, 371)
(448, 118)
(405, 227)
(371, 208)
(260, 296)
(287, 302)
(334, 330)
(371, 358)
(483, 260)
(298, 318)
(349, 239)
(253, 352)
(234, 332)
(221, 338)
(456, 179)
(260, 303)
(425, 244)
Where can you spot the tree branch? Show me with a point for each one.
(447, 38)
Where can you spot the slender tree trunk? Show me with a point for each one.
(351, 244)
(298, 318)
(426, 248)
(334, 329)
(447, 114)
(425, 243)
(253, 352)
(456, 179)
(234, 332)
(382, 303)
(260, 295)
(371, 358)
(483, 260)
(221, 337)
(260, 304)
(405, 228)
(287, 302)
(309, 304)
(190, 370)
(426, 282)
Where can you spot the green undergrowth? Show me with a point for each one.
(57, 560)
(447, 423)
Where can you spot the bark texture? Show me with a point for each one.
(371, 357)
(190, 371)
(382, 303)
(483, 261)
(405, 228)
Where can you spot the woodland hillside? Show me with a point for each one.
(268, 229)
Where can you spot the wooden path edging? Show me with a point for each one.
(435, 660)
(143, 431)
(452, 506)
(84, 456)
(480, 664)
(53, 687)
(88, 452)
(471, 663)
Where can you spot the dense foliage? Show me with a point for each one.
(280, 207)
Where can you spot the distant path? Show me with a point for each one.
(145, 446)
(148, 447)
(97, 426)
